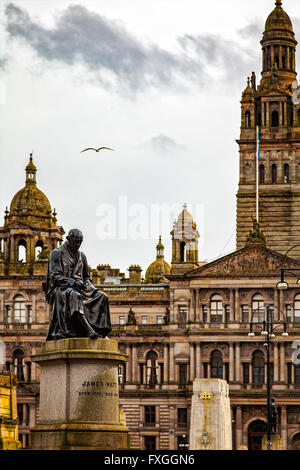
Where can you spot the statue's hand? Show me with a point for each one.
(79, 286)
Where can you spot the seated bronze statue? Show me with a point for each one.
(77, 308)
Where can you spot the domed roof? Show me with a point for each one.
(30, 200)
(157, 271)
(278, 19)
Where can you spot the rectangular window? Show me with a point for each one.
(227, 313)
(141, 373)
(297, 376)
(8, 314)
(150, 442)
(245, 374)
(182, 374)
(159, 320)
(181, 416)
(29, 314)
(289, 313)
(297, 311)
(122, 320)
(144, 320)
(204, 309)
(150, 415)
(289, 372)
(205, 368)
(182, 314)
(245, 313)
(161, 366)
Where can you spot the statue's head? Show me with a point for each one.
(74, 238)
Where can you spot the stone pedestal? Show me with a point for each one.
(276, 443)
(210, 416)
(8, 412)
(79, 396)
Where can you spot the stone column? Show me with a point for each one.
(231, 363)
(276, 364)
(134, 364)
(128, 353)
(172, 365)
(166, 364)
(237, 362)
(32, 416)
(197, 306)
(288, 58)
(268, 114)
(198, 361)
(284, 427)
(192, 362)
(238, 426)
(231, 318)
(237, 305)
(280, 57)
(250, 372)
(282, 363)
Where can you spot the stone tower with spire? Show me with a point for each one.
(30, 230)
(184, 243)
(273, 106)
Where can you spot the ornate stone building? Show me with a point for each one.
(191, 320)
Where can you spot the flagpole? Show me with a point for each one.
(257, 173)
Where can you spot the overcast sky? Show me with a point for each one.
(158, 81)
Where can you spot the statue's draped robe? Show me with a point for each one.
(64, 269)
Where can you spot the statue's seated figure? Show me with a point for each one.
(77, 308)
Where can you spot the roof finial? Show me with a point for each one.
(278, 3)
(185, 205)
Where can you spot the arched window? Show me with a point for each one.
(256, 432)
(274, 173)
(22, 251)
(297, 309)
(152, 369)
(286, 173)
(275, 119)
(258, 368)
(262, 174)
(258, 308)
(276, 56)
(296, 442)
(38, 248)
(182, 252)
(216, 365)
(248, 118)
(19, 365)
(216, 309)
(19, 309)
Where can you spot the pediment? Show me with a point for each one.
(252, 261)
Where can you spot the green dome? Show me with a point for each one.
(159, 269)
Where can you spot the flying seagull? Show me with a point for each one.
(96, 150)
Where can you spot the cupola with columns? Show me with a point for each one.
(30, 230)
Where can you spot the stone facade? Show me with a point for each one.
(193, 323)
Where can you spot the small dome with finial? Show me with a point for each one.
(159, 269)
(31, 201)
(278, 19)
(248, 93)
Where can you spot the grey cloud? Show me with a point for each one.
(253, 30)
(164, 144)
(117, 58)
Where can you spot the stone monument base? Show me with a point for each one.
(210, 416)
(8, 412)
(79, 398)
(276, 443)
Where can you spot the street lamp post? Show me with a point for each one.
(282, 284)
(267, 329)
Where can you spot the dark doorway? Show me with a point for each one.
(256, 432)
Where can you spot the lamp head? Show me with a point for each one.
(282, 285)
